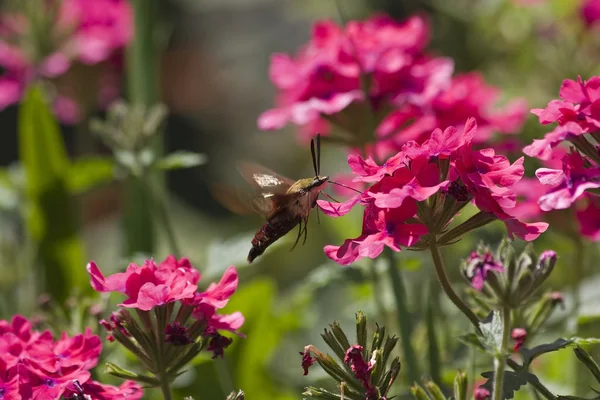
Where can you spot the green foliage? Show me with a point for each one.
(50, 218)
(179, 160)
(88, 173)
(513, 381)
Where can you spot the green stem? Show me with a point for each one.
(142, 78)
(165, 388)
(404, 319)
(377, 289)
(447, 287)
(500, 356)
(162, 212)
(163, 376)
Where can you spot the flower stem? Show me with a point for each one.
(160, 206)
(143, 89)
(377, 289)
(165, 388)
(500, 357)
(404, 319)
(445, 282)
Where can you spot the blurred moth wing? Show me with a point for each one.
(268, 192)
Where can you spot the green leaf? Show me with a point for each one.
(584, 341)
(491, 332)
(88, 173)
(530, 354)
(511, 383)
(51, 221)
(180, 160)
(472, 340)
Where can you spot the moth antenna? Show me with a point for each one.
(345, 186)
(318, 154)
(314, 156)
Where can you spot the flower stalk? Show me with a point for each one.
(447, 286)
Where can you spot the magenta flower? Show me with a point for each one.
(568, 183)
(419, 182)
(590, 12)
(149, 285)
(381, 227)
(466, 97)
(36, 366)
(82, 350)
(589, 219)
(88, 32)
(324, 78)
(579, 104)
(307, 360)
(128, 390)
(9, 381)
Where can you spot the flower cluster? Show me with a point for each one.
(42, 39)
(366, 373)
(379, 67)
(417, 192)
(572, 177)
(35, 365)
(160, 287)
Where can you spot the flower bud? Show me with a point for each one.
(481, 393)
(518, 335)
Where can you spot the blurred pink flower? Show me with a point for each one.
(84, 31)
(589, 219)
(590, 12)
(324, 77)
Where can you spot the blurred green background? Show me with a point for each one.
(212, 74)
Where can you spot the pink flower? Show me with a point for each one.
(419, 182)
(128, 390)
(468, 96)
(580, 104)
(101, 27)
(218, 294)
(38, 383)
(81, 350)
(381, 227)
(324, 78)
(149, 285)
(544, 148)
(90, 32)
(568, 183)
(590, 12)
(9, 382)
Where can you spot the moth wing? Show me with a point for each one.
(247, 203)
(263, 180)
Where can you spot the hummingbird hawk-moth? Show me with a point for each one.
(283, 202)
